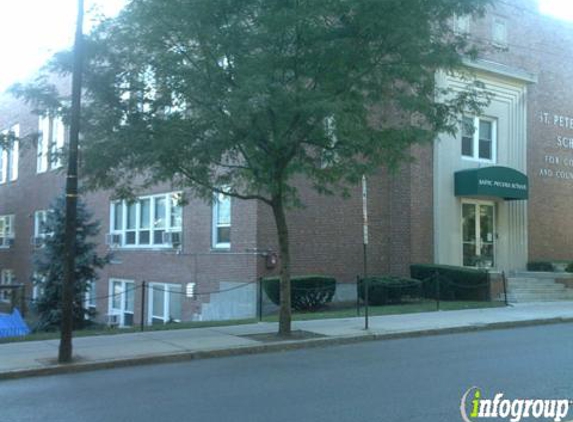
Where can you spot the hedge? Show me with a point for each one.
(384, 289)
(308, 293)
(544, 266)
(456, 283)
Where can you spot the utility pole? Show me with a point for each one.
(65, 351)
(365, 250)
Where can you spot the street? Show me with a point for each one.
(420, 379)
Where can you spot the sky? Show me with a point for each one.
(562, 9)
(31, 31)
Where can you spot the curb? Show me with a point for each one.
(281, 346)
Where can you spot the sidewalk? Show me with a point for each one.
(38, 357)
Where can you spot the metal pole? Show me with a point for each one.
(488, 278)
(504, 287)
(357, 295)
(366, 290)
(260, 304)
(65, 349)
(143, 288)
(365, 248)
(437, 290)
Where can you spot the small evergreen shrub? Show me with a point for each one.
(48, 267)
(455, 283)
(384, 289)
(308, 293)
(543, 266)
(569, 268)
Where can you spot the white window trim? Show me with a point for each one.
(10, 157)
(50, 142)
(166, 304)
(120, 312)
(123, 232)
(91, 295)
(7, 234)
(215, 225)
(501, 42)
(475, 157)
(38, 289)
(5, 295)
(462, 24)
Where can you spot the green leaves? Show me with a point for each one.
(49, 265)
(208, 93)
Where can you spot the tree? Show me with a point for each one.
(243, 96)
(49, 266)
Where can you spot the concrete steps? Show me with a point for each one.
(537, 287)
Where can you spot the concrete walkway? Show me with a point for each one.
(38, 357)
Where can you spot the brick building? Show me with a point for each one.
(498, 195)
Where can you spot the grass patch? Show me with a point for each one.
(349, 312)
(409, 308)
(106, 331)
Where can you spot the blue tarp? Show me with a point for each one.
(13, 325)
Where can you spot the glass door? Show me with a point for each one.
(478, 234)
(122, 301)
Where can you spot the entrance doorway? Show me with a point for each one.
(478, 234)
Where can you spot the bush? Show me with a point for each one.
(569, 268)
(544, 266)
(456, 283)
(308, 293)
(384, 290)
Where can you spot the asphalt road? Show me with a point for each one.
(419, 379)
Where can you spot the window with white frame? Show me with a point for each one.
(50, 143)
(479, 138)
(461, 24)
(41, 231)
(9, 156)
(39, 281)
(165, 303)
(122, 301)
(329, 155)
(90, 296)
(144, 222)
(221, 221)
(6, 230)
(6, 278)
(499, 31)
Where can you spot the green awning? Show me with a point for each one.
(496, 181)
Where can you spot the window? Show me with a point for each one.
(145, 222)
(91, 295)
(164, 303)
(479, 138)
(6, 278)
(40, 227)
(122, 301)
(222, 221)
(462, 24)
(499, 32)
(6, 230)
(50, 143)
(9, 156)
(329, 155)
(39, 281)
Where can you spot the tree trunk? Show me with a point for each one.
(285, 287)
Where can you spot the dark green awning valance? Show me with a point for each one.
(496, 181)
